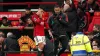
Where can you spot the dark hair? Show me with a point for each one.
(42, 7)
(97, 26)
(27, 8)
(57, 6)
(97, 41)
(2, 35)
(4, 18)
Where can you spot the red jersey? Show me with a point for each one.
(38, 27)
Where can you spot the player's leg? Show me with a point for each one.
(64, 43)
(40, 42)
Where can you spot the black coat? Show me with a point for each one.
(72, 20)
(11, 44)
(58, 24)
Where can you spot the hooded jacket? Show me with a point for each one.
(11, 43)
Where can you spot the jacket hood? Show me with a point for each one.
(12, 36)
(69, 10)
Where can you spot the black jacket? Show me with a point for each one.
(58, 24)
(11, 43)
(72, 20)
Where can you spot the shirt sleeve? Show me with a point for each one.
(46, 25)
(36, 19)
(87, 44)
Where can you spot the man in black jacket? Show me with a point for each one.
(72, 19)
(11, 42)
(58, 24)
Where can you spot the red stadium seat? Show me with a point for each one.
(14, 23)
(96, 20)
(97, 14)
(88, 18)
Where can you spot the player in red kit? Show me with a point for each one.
(40, 24)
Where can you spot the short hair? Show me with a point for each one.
(57, 6)
(42, 7)
(4, 18)
(2, 34)
(97, 26)
(27, 8)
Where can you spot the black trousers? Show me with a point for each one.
(1, 53)
(48, 48)
(64, 43)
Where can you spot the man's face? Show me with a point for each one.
(4, 21)
(27, 11)
(29, 21)
(95, 28)
(90, 1)
(40, 12)
(57, 10)
(20, 21)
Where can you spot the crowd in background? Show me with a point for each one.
(74, 15)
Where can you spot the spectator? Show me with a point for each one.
(82, 4)
(96, 44)
(29, 23)
(96, 32)
(2, 38)
(5, 22)
(92, 6)
(90, 35)
(82, 19)
(72, 18)
(11, 42)
(21, 23)
(27, 14)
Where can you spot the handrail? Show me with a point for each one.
(7, 28)
(20, 51)
(26, 3)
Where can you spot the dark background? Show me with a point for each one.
(48, 7)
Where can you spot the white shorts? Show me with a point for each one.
(39, 39)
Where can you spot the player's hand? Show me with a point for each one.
(50, 33)
(42, 23)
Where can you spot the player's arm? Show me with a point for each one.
(48, 28)
(35, 19)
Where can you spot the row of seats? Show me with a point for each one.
(15, 16)
(95, 20)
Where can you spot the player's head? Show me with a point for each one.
(40, 10)
(57, 9)
(27, 10)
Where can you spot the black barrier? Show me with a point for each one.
(18, 32)
(20, 53)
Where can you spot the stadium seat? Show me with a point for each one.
(96, 20)
(76, 3)
(15, 23)
(97, 14)
(88, 18)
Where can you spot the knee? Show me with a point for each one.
(41, 46)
